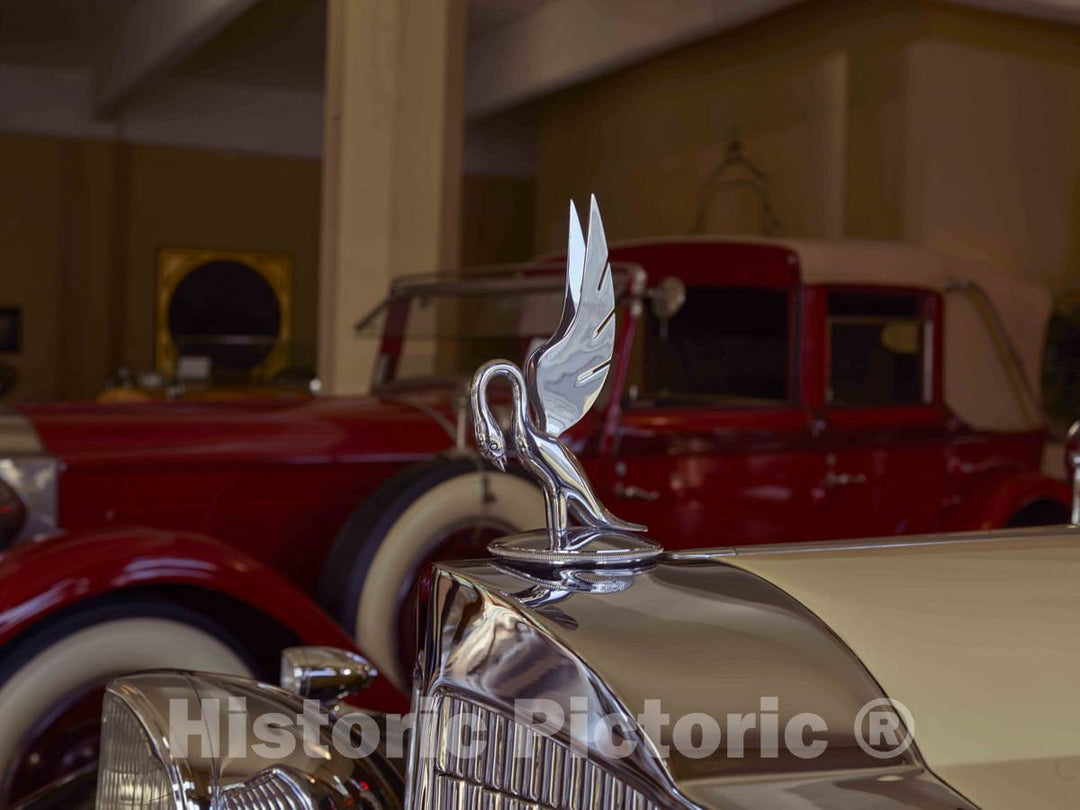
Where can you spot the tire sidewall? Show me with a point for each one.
(375, 544)
(26, 665)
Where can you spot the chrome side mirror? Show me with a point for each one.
(667, 297)
(325, 674)
(1072, 469)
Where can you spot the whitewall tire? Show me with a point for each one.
(75, 657)
(399, 527)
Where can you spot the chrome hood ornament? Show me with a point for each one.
(562, 380)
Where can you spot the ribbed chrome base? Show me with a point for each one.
(577, 547)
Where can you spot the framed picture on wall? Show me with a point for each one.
(225, 314)
(10, 329)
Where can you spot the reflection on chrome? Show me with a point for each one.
(562, 379)
(213, 756)
(482, 653)
(33, 480)
(324, 673)
(699, 637)
(514, 766)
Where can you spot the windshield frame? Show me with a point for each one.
(509, 279)
(645, 399)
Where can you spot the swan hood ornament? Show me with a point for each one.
(562, 379)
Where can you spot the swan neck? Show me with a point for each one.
(517, 382)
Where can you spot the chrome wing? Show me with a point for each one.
(565, 374)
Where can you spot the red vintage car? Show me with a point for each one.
(761, 392)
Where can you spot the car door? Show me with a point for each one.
(883, 428)
(713, 446)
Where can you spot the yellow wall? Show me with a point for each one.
(194, 198)
(892, 119)
(80, 225)
(81, 222)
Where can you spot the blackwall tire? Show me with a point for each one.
(1040, 513)
(397, 528)
(85, 649)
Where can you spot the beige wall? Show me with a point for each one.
(80, 225)
(29, 255)
(645, 139)
(998, 175)
(55, 229)
(81, 222)
(497, 216)
(895, 119)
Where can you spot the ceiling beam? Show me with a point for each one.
(564, 42)
(152, 38)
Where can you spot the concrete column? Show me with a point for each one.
(392, 163)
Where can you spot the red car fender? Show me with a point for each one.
(996, 502)
(41, 577)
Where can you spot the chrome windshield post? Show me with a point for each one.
(1072, 469)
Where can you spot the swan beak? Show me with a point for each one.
(500, 462)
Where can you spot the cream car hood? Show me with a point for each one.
(978, 636)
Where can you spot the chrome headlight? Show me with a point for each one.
(183, 741)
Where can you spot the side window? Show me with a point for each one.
(727, 345)
(878, 349)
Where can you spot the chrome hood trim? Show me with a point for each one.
(34, 479)
(698, 636)
(998, 536)
(30, 472)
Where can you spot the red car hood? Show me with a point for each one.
(265, 430)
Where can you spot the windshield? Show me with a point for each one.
(726, 346)
(443, 331)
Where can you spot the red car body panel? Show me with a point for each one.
(990, 500)
(43, 577)
(276, 479)
(258, 475)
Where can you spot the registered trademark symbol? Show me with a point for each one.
(884, 728)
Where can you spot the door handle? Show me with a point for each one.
(632, 492)
(844, 479)
(629, 491)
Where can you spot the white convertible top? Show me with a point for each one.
(995, 322)
(992, 380)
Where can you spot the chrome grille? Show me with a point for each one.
(517, 769)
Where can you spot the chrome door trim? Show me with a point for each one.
(35, 480)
